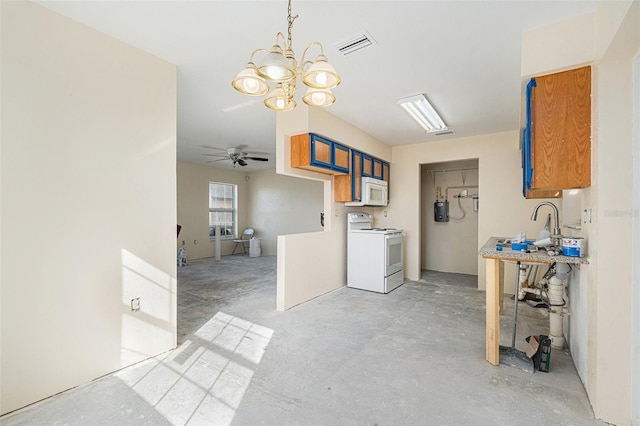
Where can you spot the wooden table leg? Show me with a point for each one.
(501, 285)
(494, 271)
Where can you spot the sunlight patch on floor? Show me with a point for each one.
(204, 380)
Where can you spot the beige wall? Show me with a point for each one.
(449, 246)
(603, 346)
(609, 359)
(571, 42)
(193, 207)
(88, 204)
(503, 210)
(635, 383)
(271, 204)
(280, 205)
(312, 264)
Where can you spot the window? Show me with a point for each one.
(223, 209)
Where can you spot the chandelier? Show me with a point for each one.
(280, 66)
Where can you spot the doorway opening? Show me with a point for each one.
(449, 210)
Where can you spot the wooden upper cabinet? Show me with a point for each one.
(561, 130)
(313, 152)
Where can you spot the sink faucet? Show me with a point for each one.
(556, 237)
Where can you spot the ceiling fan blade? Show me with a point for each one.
(213, 147)
(216, 155)
(256, 158)
(215, 161)
(242, 162)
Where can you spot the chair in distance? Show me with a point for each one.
(244, 240)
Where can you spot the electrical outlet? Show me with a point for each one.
(135, 304)
(385, 213)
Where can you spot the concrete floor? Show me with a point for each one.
(350, 357)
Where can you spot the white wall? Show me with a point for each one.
(193, 207)
(312, 264)
(450, 246)
(280, 205)
(88, 204)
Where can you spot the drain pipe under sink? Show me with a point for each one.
(555, 293)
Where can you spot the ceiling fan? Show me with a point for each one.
(236, 155)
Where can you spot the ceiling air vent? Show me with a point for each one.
(446, 132)
(356, 42)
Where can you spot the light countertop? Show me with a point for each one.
(488, 251)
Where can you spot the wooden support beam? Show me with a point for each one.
(494, 272)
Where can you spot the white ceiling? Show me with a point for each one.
(464, 55)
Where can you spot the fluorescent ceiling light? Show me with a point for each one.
(421, 110)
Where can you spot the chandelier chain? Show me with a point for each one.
(290, 20)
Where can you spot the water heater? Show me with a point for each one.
(441, 211)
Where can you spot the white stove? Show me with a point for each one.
(378, 231)
(374, 255)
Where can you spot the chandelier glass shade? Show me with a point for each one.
(249, 82)
(279, 65)
(319, 97)
(279, 100)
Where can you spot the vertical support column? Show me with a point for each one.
(494, 275)
(217, 242)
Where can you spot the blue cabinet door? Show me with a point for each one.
(367, 166)
(377, 169)
(321, 151)
(340, 157)
(356, 175)
(328, 154)
(527, 169)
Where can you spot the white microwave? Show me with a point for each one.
(374, 193)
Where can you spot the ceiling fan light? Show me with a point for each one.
(321, 75)
(278, 100)
(249, 82)
(319, 97)
(275, 66)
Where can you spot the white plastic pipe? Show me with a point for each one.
(556, 300)
(522, 279)
(525, 290)
(555, 330)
